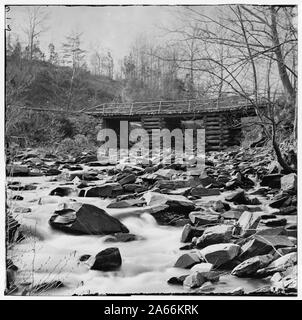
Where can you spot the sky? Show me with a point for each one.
(113, 28)
(110, 27)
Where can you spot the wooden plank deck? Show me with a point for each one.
(171, 107)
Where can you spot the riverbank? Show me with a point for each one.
(229, 230)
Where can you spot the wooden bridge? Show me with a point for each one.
(216, 116)
(220, 117)
(225, 104)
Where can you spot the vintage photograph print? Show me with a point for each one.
(151, 149)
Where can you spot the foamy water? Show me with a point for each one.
(47, 255)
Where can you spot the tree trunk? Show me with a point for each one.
(282, 162)
(280, 60)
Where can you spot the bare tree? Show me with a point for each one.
(36, 18)
(74, 56)
(249, 39)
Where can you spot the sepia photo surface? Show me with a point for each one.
(151, 149)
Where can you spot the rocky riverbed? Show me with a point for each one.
(80, 226)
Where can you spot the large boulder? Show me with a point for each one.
(204, 192)
(219, 254)
(134, 188)
(51, 172)
(165, 173)
(285, 282)
(250, 266)
(188, 260)
(63, 192)
(194, 280)
(206, 180)
(233, 214)
(216, 234)
(202, 267)
(105, 190)
(285, 261)
(173, 184)
(107, 260)
(259, 244)
(189, 232)
(219, 206)
(204, 217)
(289, 182)
(127, 178)
(291, 210)
(238, 197)
(127, 203)
(272, 181)
(163, 201)
(79, 218)
(247, 224)
(279, 265)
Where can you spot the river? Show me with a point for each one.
(47, 255)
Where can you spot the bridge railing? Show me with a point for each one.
(168, 107)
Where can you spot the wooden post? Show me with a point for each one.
(159, 107)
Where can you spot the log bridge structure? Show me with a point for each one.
(221, 118)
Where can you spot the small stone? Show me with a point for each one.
(62, 192)
(126, 203)
(236, 292)
(121, 237)
(177, 280)
(84, 257)
(202, 267)
(107, 260)
(18, 198)
(187, 260)
(194, 280)
(276, 222)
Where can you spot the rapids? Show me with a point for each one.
(47, 255)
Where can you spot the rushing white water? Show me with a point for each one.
(47, 255)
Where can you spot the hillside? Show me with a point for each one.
(46, 85)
